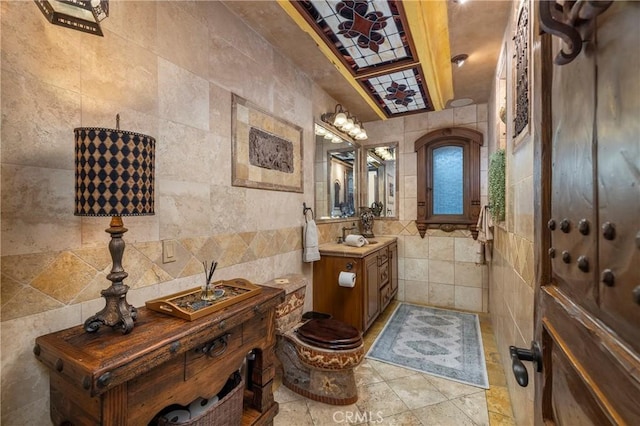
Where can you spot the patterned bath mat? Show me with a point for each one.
(443, 343)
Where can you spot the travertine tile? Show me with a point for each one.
(27, 38)
(103, 75)
(283, 395)
(293, 413)
(496, 375)
(390, 372)
(325, 414)
(49, 131)
(466, 250)
(365, 373)
(496, 419)
(444, 414)
(34, 221)
(28, 301)
(441, 271)
(416, 292)
(415, 247)
(408, 164)
(182, 96)
(402, 419)
(172, 155)
(183, 209)
(416, 269)
(190, 50)
(498, 401)
(468, 298)
(64, 278)
(24, 268)
(440, 119)
(144, 14)
(451, 389)
(469, 274)
(415, 122)
(416, 391)
(380, 397)
(465, 115)
(441, 294)
(441, 248)
(474, 406)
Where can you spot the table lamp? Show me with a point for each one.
(114, 177)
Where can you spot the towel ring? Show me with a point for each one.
(305, 210)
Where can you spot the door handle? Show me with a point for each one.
(518, 355)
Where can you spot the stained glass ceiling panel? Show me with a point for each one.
(367, 34)
(399, 92)
(371, 39)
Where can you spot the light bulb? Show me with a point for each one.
(340, 119)
(320, 131)
(348, 125)
(336, 140)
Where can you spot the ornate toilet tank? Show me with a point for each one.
(318, 355)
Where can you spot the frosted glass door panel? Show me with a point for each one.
(448, 180)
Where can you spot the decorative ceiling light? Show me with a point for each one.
(81, 15)
(459, 59)
(345, 123)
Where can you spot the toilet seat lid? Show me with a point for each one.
(329, 333)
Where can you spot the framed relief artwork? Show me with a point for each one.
(266, 151)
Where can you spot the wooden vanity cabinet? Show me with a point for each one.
(376, 282)
(389, 288)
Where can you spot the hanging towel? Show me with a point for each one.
(485, 235)
(310, 252)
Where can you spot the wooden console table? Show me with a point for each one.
(108, 378)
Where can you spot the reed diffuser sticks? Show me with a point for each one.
(207, 291)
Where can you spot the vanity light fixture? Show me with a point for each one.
(81, 15)
(459, 59)
(114, 177)
(345, 123)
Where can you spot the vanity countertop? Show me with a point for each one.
(335, 249)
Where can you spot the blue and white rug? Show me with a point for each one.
(443, 343)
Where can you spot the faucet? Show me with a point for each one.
(345, 229)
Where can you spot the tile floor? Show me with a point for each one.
(390, 395)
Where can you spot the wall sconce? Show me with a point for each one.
(114, 177)
(344, 122)
(82, 15)
(459, 59)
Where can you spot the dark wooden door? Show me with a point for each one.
(588, 265)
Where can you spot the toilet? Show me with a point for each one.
(318, 353)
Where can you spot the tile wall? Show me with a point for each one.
(177, 89)
(511, 273)
(442, 268)
(171, 76)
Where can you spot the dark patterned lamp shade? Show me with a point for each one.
(114, 172)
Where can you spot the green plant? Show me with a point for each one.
(497, 185)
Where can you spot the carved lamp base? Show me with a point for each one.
(117, 313)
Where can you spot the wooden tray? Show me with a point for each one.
(188, 305)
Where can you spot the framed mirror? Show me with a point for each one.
(382, 179)
(336, 175)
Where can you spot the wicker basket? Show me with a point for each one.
(227, 412)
